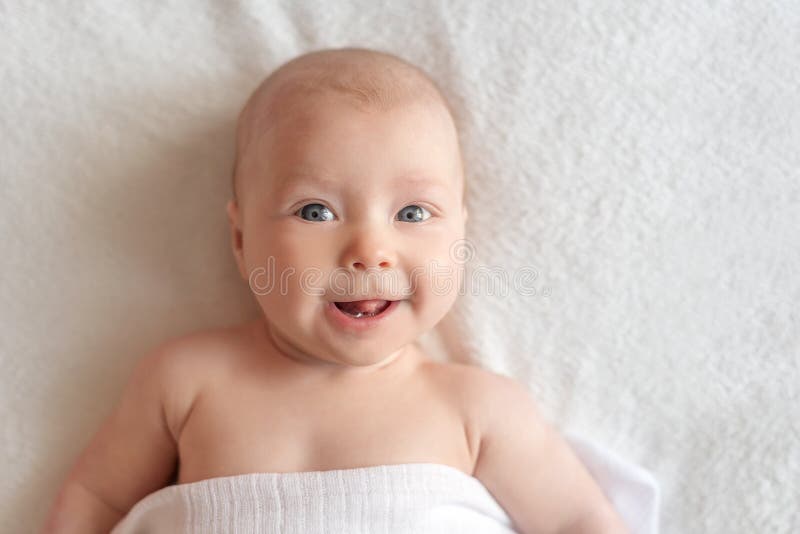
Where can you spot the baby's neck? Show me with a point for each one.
(292, 359)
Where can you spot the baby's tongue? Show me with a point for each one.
(363, 306)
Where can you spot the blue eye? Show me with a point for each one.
(315, 212)
(413, 213)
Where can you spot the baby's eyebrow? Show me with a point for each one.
(297, 181)
(419, 182)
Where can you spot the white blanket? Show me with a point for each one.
(402, 498)
(387, 499)
(640, 155)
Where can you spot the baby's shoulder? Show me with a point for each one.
(184, 364)
(482, 393)
(474, 381)
(200, 348)
(482, 397)
(182, 359)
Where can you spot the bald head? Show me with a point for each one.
(368, 80)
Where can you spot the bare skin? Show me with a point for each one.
(297, 390)
(308, 419)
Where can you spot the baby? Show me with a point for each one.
(348, 164)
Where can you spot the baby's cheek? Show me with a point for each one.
(436, 277)
(435, 293)
(270, 270)
(303, 249)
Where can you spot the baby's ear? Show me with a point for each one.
(236, 236)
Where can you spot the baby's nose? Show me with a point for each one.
(375, 258)
(369, 251)
(363, 266)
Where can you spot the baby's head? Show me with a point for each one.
(348, 186)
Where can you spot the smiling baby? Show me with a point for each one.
(348, 191)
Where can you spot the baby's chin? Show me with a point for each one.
(332, 338)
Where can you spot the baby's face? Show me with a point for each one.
(343, 205)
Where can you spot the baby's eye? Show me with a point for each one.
(413, 213)
(316, 212)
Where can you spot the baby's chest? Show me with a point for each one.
(239, 433)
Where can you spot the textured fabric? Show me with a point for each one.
(422, 497)
(387, 499)
(639, 155)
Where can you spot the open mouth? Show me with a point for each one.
(363, 308)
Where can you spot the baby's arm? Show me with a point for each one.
(133, 454)
(531, 470)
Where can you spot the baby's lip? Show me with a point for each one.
(355, 318)
(377, 299)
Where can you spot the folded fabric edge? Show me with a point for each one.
(632, 489)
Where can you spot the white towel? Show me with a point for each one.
(400, 498)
